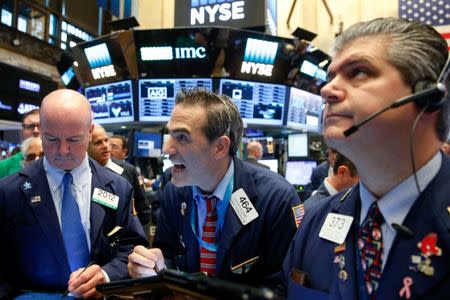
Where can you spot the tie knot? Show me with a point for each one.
(210, 203)
(67, 179)
(374, 213)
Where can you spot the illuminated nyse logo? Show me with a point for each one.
(259, 57)
(224, 10)
(170, 53)
(157, 93)
(100, 61)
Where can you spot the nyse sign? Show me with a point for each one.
(219, 12)
(259, 57)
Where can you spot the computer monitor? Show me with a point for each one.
(112, 102)
(299, 172)
(157, 96)
(267, 143)
(304, 110)
(298, 145)
(147, 144)
(271, 163)
(258, 103)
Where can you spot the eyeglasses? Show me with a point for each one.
(33, 156)
(30, 126)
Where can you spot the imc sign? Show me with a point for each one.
(243, 13)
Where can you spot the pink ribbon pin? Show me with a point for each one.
(406, 291)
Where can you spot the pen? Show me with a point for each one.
(89, 264)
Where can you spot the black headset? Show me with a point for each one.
(435, 101)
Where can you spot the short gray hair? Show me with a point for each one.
(222, 115)
(416, 50)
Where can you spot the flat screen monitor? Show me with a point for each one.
(299, 172)
(298, 145)
(304, 110)
(267, 144)
(112, 102)
(147, 144)
(271, 163)
(258, 103)
(157, 96)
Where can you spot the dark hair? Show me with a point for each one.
(29, 113)
(341, 160)
(222, 115)
(120, 137)
(416, 50)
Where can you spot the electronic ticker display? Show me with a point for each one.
(258, 103)
(305, 110)
(112, 102)
(157, 96)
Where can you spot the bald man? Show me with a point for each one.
(254, 153)
(66, 221)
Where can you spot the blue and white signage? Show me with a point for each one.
(100, 61)
(259, 57)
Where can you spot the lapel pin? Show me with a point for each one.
(405, 292)
(36, 199)
(428, 245)
(26, 185)
(448, 209)
(343, 275)
(339, 248)
(183, 208)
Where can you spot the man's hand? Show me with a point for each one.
(82, 285)
(142, 262)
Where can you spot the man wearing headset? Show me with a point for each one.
(389, 237)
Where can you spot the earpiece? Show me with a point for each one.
(435, 102)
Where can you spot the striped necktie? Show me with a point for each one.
(370, 244)
(208, 257)
(72, 230)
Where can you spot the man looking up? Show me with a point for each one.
(30, 128)
(218, 215)
(388, 238)
(58, 214)
(99, 149)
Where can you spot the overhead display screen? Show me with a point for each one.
(180, 52)
(258, 103)
(304, 111)
(112, 102)
(157, 96)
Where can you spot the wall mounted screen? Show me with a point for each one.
(258, 103)
(157, 96)
(112, 102)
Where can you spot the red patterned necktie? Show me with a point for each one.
(208, 257)
(370, 244)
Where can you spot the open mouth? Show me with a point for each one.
(179, 167)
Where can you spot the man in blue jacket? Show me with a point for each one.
(389, 237)
(65, 212)
(218, 215)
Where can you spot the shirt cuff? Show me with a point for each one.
(106, 276)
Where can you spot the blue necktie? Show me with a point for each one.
(72, 230)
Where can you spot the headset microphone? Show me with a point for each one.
(433, 95)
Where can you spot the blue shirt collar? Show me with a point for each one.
(395, 205)
(56, 174)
